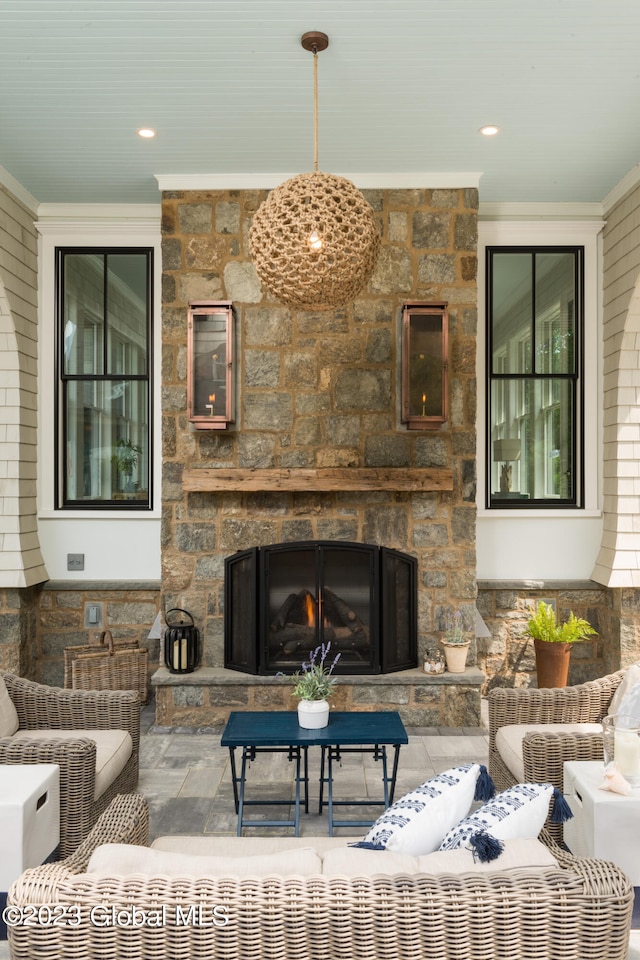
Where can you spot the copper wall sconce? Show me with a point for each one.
(210, 365)
(425, 365)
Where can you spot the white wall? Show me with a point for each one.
(117, 545)
(544, 544)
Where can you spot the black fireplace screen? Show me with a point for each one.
(281, 601)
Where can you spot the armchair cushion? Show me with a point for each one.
(113, 749)
(509, 740)
(8, 713)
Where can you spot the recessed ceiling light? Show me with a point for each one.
(146, 132)
(489, 130)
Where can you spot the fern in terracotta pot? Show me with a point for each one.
(552, 641)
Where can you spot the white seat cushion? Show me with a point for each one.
(222, 846)
(113, 749)
(509, 740)
(518, 854)
(8, 713)
(122, 859)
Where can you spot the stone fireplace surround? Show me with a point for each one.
(318, 451)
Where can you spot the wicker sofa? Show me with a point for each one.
(48, 719)
(575, 909)
(543, 752)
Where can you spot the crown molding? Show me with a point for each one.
(86, 212)
(628, 182)
(20, 193)
(540, 211)
(364, 181)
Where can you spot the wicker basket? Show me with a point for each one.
(107, 666)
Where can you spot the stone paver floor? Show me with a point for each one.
(186, 778)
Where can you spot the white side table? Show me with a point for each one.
(29, 817)
(605, 825)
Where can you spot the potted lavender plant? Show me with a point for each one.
(313, 683)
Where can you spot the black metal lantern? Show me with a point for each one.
(182, 650)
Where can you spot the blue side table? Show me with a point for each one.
(279, 732)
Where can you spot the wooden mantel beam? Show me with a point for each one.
(322, 479)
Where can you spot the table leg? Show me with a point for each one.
(321, 790)
(234, 779)
(243, 776)
(296, 828)
(306, 779)
(381, 754)
(330, 791)
(396, 757)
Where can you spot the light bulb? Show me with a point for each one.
(314, 241)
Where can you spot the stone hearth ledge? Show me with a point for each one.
(206, 697)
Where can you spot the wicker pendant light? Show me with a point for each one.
(315, 241)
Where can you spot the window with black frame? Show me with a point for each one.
(103, 364)
(534, 360)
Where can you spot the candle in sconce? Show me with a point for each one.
(424, 402)
(212, 401)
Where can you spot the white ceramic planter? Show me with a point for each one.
(313, 714)
(455, 655)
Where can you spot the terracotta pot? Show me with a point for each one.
(455, 655)
(552, 663)
(313, 714)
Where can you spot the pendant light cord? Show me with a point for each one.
(315, 109)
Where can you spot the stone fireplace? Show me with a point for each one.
(318, 451)
(285, 600)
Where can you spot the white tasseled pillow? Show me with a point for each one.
(416, 823)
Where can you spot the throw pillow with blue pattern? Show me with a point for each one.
(417, 823)
(519, 811)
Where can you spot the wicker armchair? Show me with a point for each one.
(580, 908)
(41, 707)
(545, 753)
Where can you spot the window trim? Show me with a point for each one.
(512, 225)
(576, 377)
(60, 426)
(91, 225)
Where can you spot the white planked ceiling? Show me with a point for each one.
(403, 88)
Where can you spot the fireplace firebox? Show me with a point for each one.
(283, 600)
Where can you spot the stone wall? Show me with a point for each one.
(18, 630)
(128, 610)
(507, 657)
(319, 389)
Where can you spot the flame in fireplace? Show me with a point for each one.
(310, 608)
